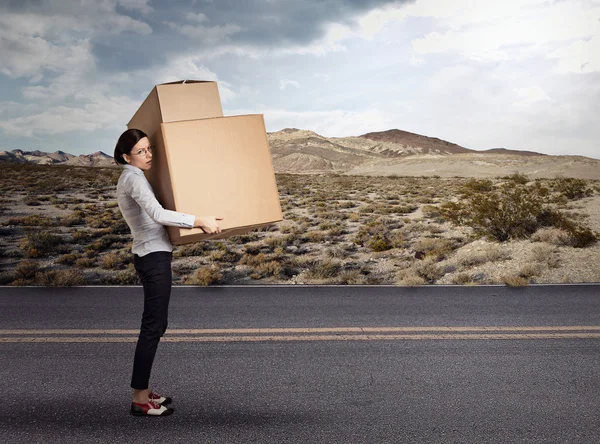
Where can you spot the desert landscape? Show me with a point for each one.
(390, 208)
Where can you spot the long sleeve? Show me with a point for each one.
(141, 191)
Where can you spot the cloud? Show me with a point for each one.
(530, 95)
(283, 84)
(578, 57)
(137, 5)
(510, 30)
(206, 35)
(196, 17)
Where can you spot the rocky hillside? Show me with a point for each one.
(59, 157)
(392, 152)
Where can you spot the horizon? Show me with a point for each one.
(522, 75)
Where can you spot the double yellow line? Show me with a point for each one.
(308, 334)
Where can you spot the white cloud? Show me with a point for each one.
(191, 68)
(206, 34)
(283, 84)
(137, 5)
(196, 17)
(578, 57)
(331, 123)
(530, 95)
(515, 29)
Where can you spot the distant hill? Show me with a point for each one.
(96, 159)
(392, 152)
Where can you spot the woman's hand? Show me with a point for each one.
(208, 224)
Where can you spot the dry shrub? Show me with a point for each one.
(34, 220)
(314, 236)
(463, 279)
(379, 242)
(253, 260)
(545, 254)
(531, 269)
(514, 281)
(85, 262)
(266, 269)
(351, 277)
(431, 211)
(60, 278)
(67, 259)
(572, 188)
(490, 253)
(207, 275)
(337, 252)
(252, 248)
(195, 249)
(429, 270)
(438, 248)
(409, 278)
(353, 217)
(124, 277)
(553, 236)
(40, 243)
(115, 260)
(26, 269)
(225, 255)
(322, 269)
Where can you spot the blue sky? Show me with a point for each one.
(518, 74)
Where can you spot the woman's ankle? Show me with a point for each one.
(141, 396)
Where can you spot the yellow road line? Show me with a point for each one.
(410, 337)
(203, 331)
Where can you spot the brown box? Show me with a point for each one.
(205, 164)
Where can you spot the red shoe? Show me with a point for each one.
(159, 399)
(150, 409)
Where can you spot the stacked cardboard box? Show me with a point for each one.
(206, 164)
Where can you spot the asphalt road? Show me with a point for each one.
(307, 364)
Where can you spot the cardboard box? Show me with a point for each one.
(205, 164)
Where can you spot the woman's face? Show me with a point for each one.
(141, 155)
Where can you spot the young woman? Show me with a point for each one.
(152, 255)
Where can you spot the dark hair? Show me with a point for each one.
(126, 143)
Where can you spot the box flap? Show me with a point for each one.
(189, 101)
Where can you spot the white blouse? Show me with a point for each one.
(145, 215)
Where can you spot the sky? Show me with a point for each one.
(517, 74)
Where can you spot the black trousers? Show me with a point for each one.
(154, 270)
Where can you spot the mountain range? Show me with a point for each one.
(392, 152)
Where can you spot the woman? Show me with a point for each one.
(152, 255)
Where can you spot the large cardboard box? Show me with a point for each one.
(206, 164)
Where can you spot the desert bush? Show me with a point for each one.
(323, 269)
(253, 260)
(40, 243)
(572, 188)
(124, 277)
(438, 248)
(351, 277)
(531, 269)
(512, 212)
(463, 279)
(353, 217)
(479, 186)
(206, 275)
(34, 220)
(512, 280)
(115, 260)
(379, 242)
(314, 236)
(85, 262)
(491, 253)
(429, 270)
(409, 278)
(59, 278)
(67, 259)
(553, 236)
(226, 255)
(266, 269)
(517, 178)
(195, 249)
(26, 269)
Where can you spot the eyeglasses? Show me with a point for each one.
(144, 151)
